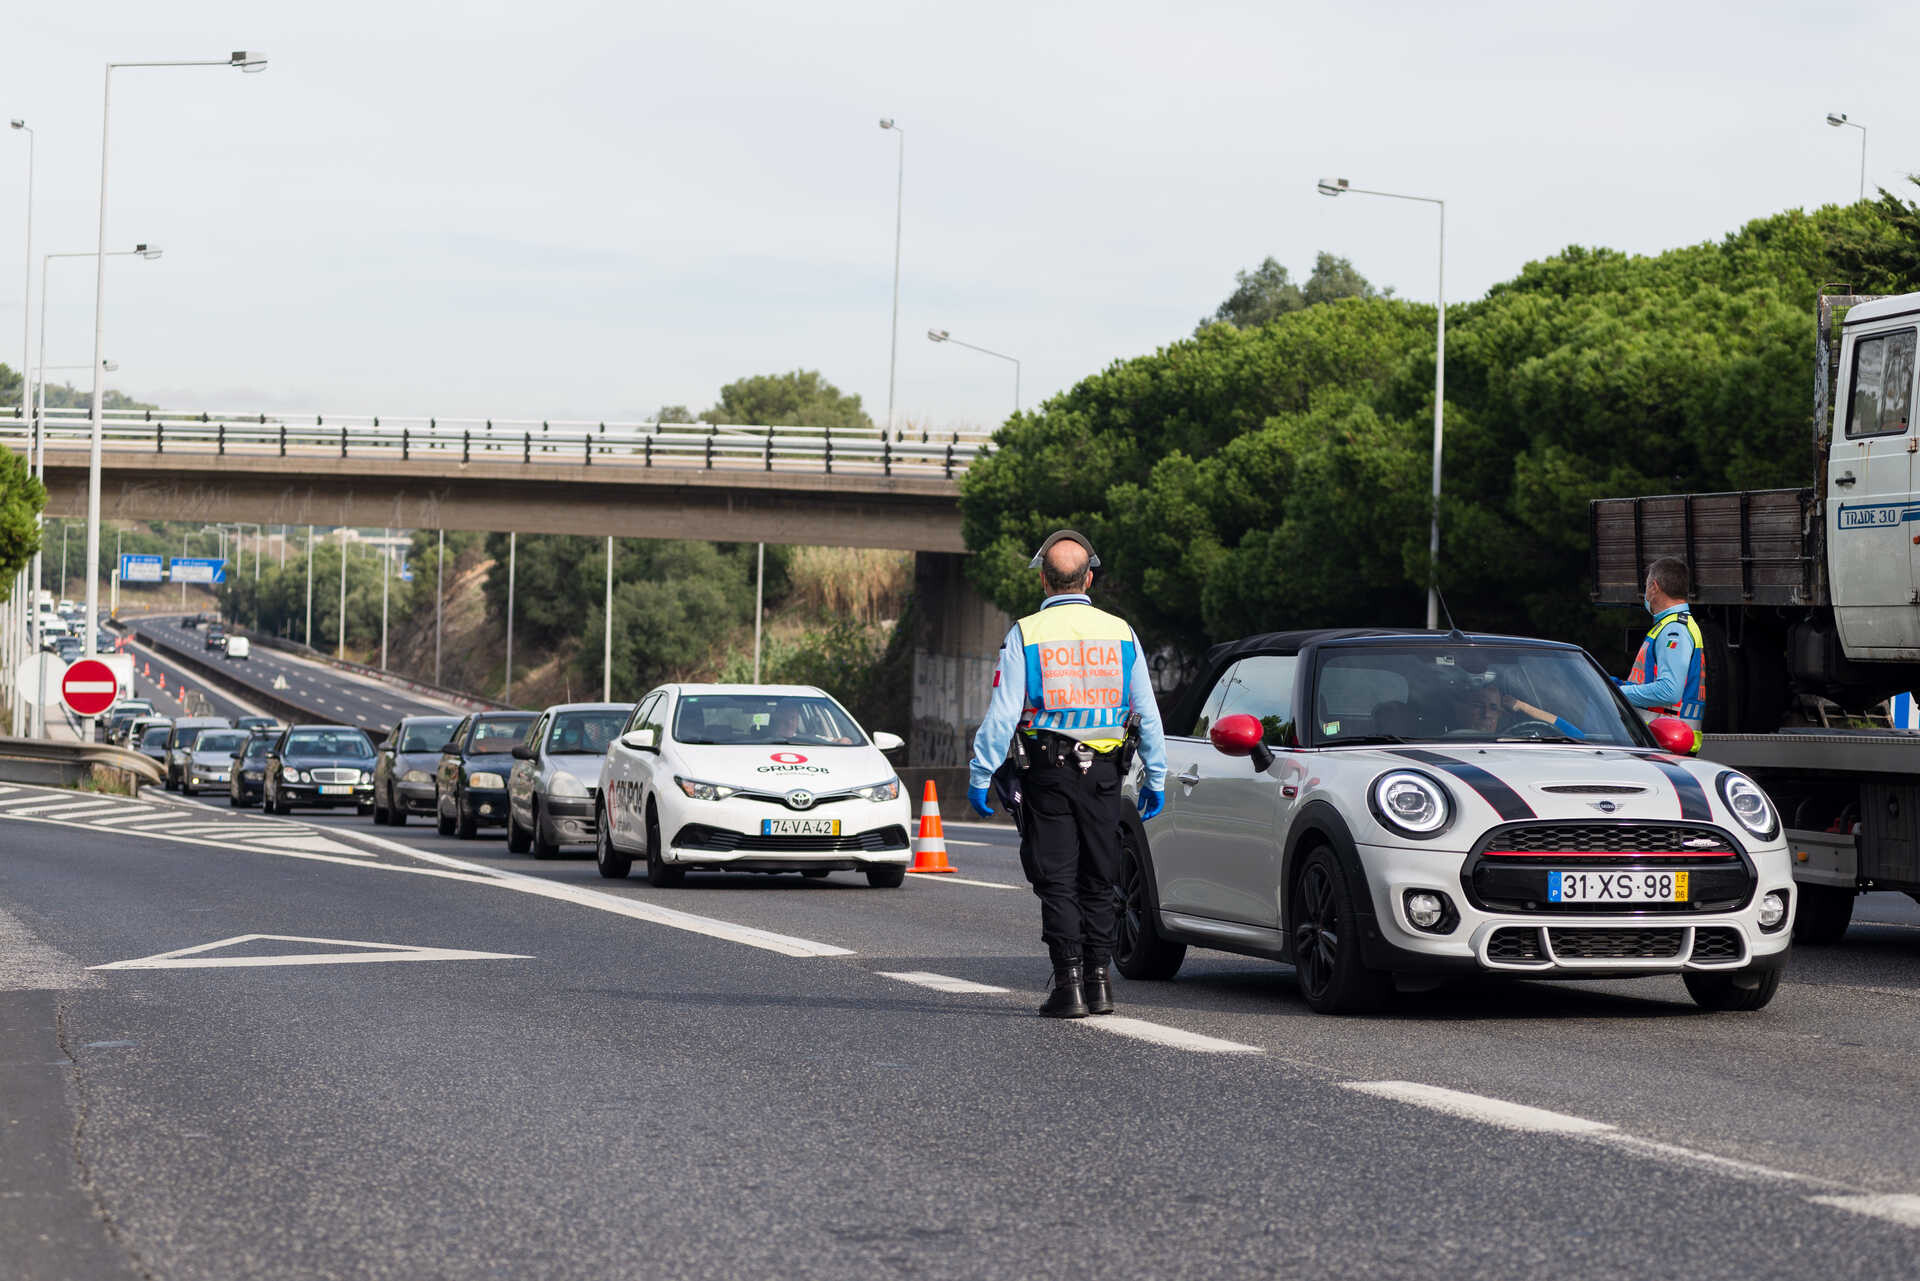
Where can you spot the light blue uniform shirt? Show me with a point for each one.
(1672, 659)
(1009, 704)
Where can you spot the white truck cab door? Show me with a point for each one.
(1873, 512)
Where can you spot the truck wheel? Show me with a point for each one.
(1733, 990)
(1824, 914)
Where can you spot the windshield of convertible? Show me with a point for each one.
(1481, 693)
(343, 744)
(786, 720)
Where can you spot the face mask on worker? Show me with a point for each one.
(1647, 600)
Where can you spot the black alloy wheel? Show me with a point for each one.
(1326, 942)
(379, 810)
(518, 840)
(612, 863)
(1139, 952)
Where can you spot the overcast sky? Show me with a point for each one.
(569, 209)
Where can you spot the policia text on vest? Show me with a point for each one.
(1070, 680)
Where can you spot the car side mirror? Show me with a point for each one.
(888, 742)
(1243, 735)
(450, 748)
(641, 740)
(1675, 735)
(521, 752)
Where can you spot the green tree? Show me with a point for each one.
(1266, 293)
(798, 399)
(21, 499)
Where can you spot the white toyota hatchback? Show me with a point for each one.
(750, 778)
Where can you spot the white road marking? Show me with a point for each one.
(961, 880)
(981, 845)
(941, 982)
(60, 807)
(1895, 1207)
(1160, 1034)
(195, 958)
(1477, 1107)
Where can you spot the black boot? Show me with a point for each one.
(1065, 1001)
(1098, 988)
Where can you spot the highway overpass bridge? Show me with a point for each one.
(786, 485)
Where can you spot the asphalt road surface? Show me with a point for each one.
(334, 695)
(765, 1076)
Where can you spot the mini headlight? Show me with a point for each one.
(879, 791)
(416, 776)
(1411, 803)
(1749, 805)
(565, 784)
(704, 791)
(485, 778)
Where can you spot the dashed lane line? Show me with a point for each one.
(1894, 1208)
(943, 983)
(961, 880)
(1161, 1034)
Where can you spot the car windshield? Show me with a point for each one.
(493, 734)
(1472, 693)
(256, 749)
(760, 719)
(346, 744)
(425, 736)
(155, 738)
(584, 733)
(220, 742)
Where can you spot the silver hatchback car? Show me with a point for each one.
(556, 772)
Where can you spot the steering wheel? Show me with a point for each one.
(1548, 726)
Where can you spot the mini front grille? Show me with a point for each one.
(1716, 943)
(1510, 944)
(1615, 945)
(716, 840)
(1625, 839)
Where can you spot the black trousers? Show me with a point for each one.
(1070, 849)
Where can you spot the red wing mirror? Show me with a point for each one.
(1673, 734)
(1242, 735)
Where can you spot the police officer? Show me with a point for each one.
(1069, 680)
(1669, 673)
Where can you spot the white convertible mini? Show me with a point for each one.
(750, 778)
(1368, 804)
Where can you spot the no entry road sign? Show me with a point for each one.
(89, 687)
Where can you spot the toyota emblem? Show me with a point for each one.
(800, 799)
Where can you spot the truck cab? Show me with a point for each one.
(1872, 514)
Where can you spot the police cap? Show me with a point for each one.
(1074, 535)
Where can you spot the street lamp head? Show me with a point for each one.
(1836, 118)
(111, 366)
(886, 122)
(248, 60)
(18, 124)
(149, 252)
(1331, 186)
(937, 335)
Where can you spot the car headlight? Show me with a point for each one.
(879, 791)
(416, 776)
(704, 791)
(485, 778)
(298, 776)
(1750, 806)
(1411, 804)
(565, 784)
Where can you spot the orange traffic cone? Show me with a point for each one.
(144, 671)
(930, 846)
(163, 680)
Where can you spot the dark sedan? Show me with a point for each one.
(325, 766)
(470, 785)
(403, 778)
(248, 777)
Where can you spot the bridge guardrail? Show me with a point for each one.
(707, 447)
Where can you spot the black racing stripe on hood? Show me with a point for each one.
(1693, 797)
(1506, 802)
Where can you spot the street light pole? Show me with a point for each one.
(246, 62)
(26, 404)
(941, 335)
(1838, 118)
(759, 599)
(513, 549)
(309, 639)
(606, 649)
(386, 578)
(1339, 187)
(340, 646)
(899, 203)
(439, 594)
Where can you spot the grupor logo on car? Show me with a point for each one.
(788, 758)
(790, 763)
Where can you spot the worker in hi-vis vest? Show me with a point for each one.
(1072, 701)
(1669, 673)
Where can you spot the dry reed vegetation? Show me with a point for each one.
(859, 583)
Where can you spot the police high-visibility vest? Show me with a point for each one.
(1692, 706)
(1079, 665)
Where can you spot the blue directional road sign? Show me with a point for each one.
(195, 569)
(142, 569)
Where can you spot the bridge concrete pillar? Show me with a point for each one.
(956, 644)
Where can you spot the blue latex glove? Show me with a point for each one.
(1152, 801)
(977, 797)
